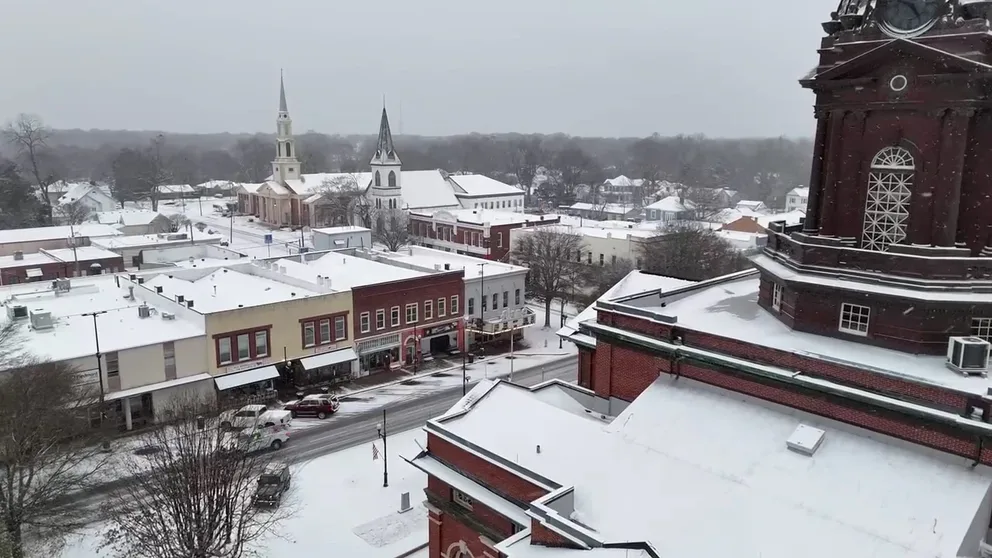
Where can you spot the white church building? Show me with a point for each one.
(290, 198)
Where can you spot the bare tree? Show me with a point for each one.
(391, 228)
(178, 222)
(196, 500)
(550, 254)
(602, 278)
(49, 451)
(29, 136)
(253, 155)
(705, 202)
(688, 251)
(72, 213)
(341, 196)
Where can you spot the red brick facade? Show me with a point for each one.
(14, 274)
(441, 234)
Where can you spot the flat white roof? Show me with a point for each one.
(342, 229)
(345, 272)
(139, 240)
(38, 234)
(730, 309)
(126, 217)
(72, 337)
(482, 185)
(427, 258)
(33, 258)
(694, 471)
(221, 289)
(491, 216)
(83, 253)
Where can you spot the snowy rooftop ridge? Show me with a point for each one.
(60, 232)
(429, 259)
(729, 470)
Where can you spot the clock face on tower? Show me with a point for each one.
(904, 17)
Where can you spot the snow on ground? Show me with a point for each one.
(341, 507)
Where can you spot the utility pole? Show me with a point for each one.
(562, 319)
(231, 213)
(381, 430)
(99, 364)
(482, 306)
(72, 242)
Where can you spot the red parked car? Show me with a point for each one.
(320, 406)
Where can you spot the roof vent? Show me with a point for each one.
(158, 289)
(805, 440)
(144, 311)
(17, 312)
(189, 303)
(41, 320)
(447, 267)
(18, 255)
(168, 316)
(180, 299)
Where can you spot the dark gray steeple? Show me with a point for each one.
(385, 152)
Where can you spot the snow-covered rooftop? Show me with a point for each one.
(610, 208)
(671, 204)
(635, 282)
(61, 232)
(82, 253)
(730, 309)
(428, 258)
(34, 258)
(139, 240)
(217, 184)
(222, 289)
(341, 230)
(483, 216)
(623, 181)
(574, 221)
(127, 217)
(175, 189)
(481, 185)
(791, 218)
(693, 471)
(72, 337)
(344, 271)
(801, 192)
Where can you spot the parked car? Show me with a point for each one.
(251, 416)
(320, 406)
(251, 440)
(272, 484)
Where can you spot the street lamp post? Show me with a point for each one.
(381, 431)
(562, 318)
(482, 289)
(99, 363)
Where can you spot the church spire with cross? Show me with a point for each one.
(386, 168)
(285, 166)
(385, 152)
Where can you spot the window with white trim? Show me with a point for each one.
(462, 499)
(325, 331)
(890, 183)
(309, 337)
(854, 318)
(340, 328)
(380, 319)
(363, 321)
(394, 316)
(982, 327)
(224, 350)
(428, 309)
(244, 348)
(261, 343)
(441, 307)
(411, 313)
(776, 296)
(454, 304)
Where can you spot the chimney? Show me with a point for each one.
(447, 267)
(18, 255)
(132, 277)
(180, 299)
(158, 289)
(189, 303)
(130, 292)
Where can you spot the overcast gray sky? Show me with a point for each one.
(584, 67)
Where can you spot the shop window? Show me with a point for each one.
(113, 364)
(428, 309)
(363, 321)
(340, 328)
(380, 319)
(454, 304)
(441, 307)
(394, 316)
(411, 313)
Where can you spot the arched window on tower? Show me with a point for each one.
(392, 179)
(890, 184)
(378, 179)
(289, 152)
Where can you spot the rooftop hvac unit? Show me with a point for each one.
(168, 316)
(41, 320)
(18, 255)
(17, 312)
(63, 285)
(144, 311)
(177, 236)
(968, 355)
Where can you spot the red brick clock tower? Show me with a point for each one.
(896, 248)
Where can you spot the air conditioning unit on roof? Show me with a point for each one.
(968, 355)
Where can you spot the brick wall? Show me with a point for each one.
(384, 296)
(479, 512)
(499, 480)
(451, 531)
(541, 535)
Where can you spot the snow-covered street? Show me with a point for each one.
(341, 505)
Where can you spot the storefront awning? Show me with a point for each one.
(327, 359)
(239, 379)
(34, 272)
(113, 396)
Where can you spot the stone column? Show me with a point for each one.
(812, 224)
(127, 413)
(947, 201)
(828, 205)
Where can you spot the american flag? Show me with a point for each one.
(375, 452)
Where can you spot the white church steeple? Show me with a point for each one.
(285, 166)
(386, 167)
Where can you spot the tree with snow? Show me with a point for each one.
(550, 255)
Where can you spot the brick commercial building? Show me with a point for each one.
(483, 233)
(866, 327)
(46, 265)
